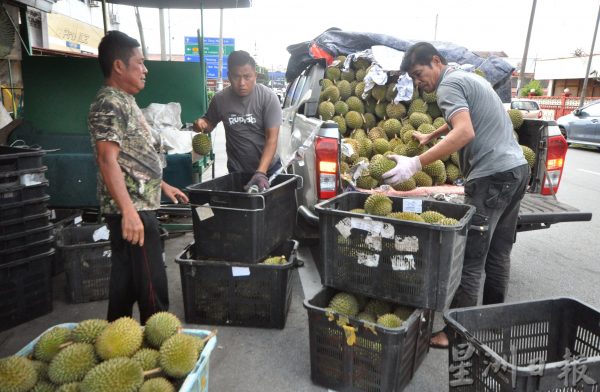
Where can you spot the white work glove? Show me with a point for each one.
(405, 168)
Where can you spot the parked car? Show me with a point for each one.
(582, 126)
(529, 107)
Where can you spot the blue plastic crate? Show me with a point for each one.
(196, 381)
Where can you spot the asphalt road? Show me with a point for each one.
(560, 261)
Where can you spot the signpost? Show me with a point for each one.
(211, 54)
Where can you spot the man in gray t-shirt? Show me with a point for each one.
(491, 160)
(251, 115)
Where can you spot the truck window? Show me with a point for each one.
(290, 93)
(299, 89)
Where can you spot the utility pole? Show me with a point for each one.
(220, 70)
(524, 60)
(141, 29)
(435, 28)
(589, 64)
(163, 46)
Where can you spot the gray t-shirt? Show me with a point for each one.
(245, 120)
(494, 149)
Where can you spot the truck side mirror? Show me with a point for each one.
(577, 112)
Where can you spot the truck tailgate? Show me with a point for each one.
(538, 212)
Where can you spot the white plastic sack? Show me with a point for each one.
(165, 121)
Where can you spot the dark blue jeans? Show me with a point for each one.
(497, 199)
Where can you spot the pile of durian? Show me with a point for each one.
(372, 126)
(380, 205)
(371, 310)
(98, 356)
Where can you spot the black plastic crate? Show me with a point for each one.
(245, 226)
(28, 236)
(25, 289)
(20, 158)
(550, 345)
(22, 209)
(23, 177)
(379, 360)
(259, 296)
(19, 193)
(21, 225)
(86, 262)
(26, 251)
(410, 263)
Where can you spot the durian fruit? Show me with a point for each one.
(72, 363)
(147, 358)
(417, 118)
(201, 144)
(43, 386)
(88, 330)
(325, 83)
(344, 303)
(159, 327)
(454, 159)
(390, 92)
(345, 89)
(340, 108)
(417, 106)
(347, 75)
(331, 94)
(389, 320)
(448, 222)
(116, 374)
(380, 166)
(395, 142)
(361, 63)
(435, 168)
(121, 338)
(365, 147)
(17, 374)
(403, 312)
(275, 260)
(408, 216)
(49, 343)
(41, 369)
(426, 128)
(407, 185)
(178, 355)
(429, 97)
(441, 179)
(70, 387)
(529, 155)
(452, 172)
(360, 74)
(159, 384)
(422, 179)
(378, 204)
(333, 73)
(366, 182)
(341, 123)
(357, 210)
(381, 145)
(355, 104)
(326, 110)
(378, 92)
(432, 216)
(392, 127)
(380, 109)
(366, 316)
(376, 133)
(354, 119)
(358, 134)
(516, 118)
(414, 148)
(359, 89)
(434, 110)
(370, 120)
(377, 307)
(438, 122)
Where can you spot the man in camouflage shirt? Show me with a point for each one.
(129, 181)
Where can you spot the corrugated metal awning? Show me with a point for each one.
(190, 4)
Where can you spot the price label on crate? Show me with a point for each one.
(344, 227)
(240, 271)
(412, 205)
(204, 212)
(370, 260)
(403, 262)
(406, 243)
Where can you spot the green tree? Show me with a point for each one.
(533, 85)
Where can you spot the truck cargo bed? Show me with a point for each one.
(538, 212)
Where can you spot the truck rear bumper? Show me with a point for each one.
(539, 212)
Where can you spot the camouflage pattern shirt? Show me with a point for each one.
(115, 116)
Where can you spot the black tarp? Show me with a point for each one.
(336, 42)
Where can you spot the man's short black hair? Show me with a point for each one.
(115, 45)
(239, 58)
(420, 53)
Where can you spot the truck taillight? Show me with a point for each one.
(555, 160)
(326, 150)
(540, 114)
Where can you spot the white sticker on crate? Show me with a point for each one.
(406, 244)
(412, 205)
(30, 179)
(240, 271)
(373, 242)
(107, 253)
(387, 231)
(376, 228)
(204, 212)
(101, 234)
(77, 220)
(344, 227)
(368, 259)
(403, 262)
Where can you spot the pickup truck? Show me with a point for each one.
(312, 149)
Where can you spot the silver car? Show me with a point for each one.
(582, 126)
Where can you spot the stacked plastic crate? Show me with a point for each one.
(26, 241)
(223, 275)
(404, 263)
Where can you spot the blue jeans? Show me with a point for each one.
(497, 199)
